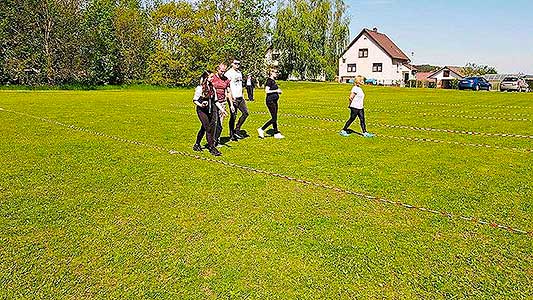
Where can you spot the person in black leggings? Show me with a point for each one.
(272, 96)
(206, 107)
(357, 97)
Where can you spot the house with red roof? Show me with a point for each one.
(375, 56)
(444, 76)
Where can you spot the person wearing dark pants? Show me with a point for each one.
(354, 113)
(250, 87)
(272, 96)
(206, 108)
(221, 84)
(239, 104)
(235, 77)
(356, 99)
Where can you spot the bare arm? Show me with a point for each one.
(269, 91)
(230, 100)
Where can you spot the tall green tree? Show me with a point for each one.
(100, 47)
(310, 34)
(134, 37)
(179, 55)
(472, 69)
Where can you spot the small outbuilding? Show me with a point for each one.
(445, 76)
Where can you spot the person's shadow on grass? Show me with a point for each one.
(353, 131)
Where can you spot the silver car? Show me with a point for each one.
(516, 84)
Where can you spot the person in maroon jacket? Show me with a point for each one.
(221, 85)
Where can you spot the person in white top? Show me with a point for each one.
(357, 97)
(235, 77)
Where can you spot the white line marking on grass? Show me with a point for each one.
(412, 139)
(451, 115)
(454, 104)
(403, 110)
(415, 139)
(407, 127)
(416, 128)
(272, 174)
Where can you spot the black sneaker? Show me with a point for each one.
(197, 147)
(214, 151)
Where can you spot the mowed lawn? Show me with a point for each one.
(88, 215)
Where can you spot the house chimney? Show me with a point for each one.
(375, 29)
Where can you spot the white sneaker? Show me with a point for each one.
(261, 133)
(278, 136)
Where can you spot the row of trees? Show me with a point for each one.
(94, 42)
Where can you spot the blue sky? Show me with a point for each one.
(453, 32)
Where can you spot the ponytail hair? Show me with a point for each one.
(207, 87)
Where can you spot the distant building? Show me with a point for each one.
(444, 76)
(423, 79)
(375, 56)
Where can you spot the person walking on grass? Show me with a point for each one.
(250, 87)
(357, 96)
(207, 108)
(221, 84)
(235, 77)
(272, 96)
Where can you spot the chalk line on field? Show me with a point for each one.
(406, 126)
(412, 139)
(415, 128)
(451, 115)
(444, 113)
(455, 104)
(286, 177)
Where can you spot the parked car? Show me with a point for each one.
(371, 81)
(514, 84)
(474, 83)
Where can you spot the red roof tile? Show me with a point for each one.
(383, 42)
(387, 44)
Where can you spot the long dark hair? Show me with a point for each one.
(207, 86)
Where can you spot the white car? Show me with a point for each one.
(514, 84)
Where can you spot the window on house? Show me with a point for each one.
(352, 68)
(446, 73)
(377, 67)
(363, 53)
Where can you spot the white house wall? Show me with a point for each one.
(440, 76)
(390, 73)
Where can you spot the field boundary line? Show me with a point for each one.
(446, 113)
(413, 139)
(452, 115)
(454, 104)
(409, 127)
(282, 176)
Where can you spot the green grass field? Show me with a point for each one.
(88, 215)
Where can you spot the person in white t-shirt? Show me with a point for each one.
(357, 97)
(236, 84)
